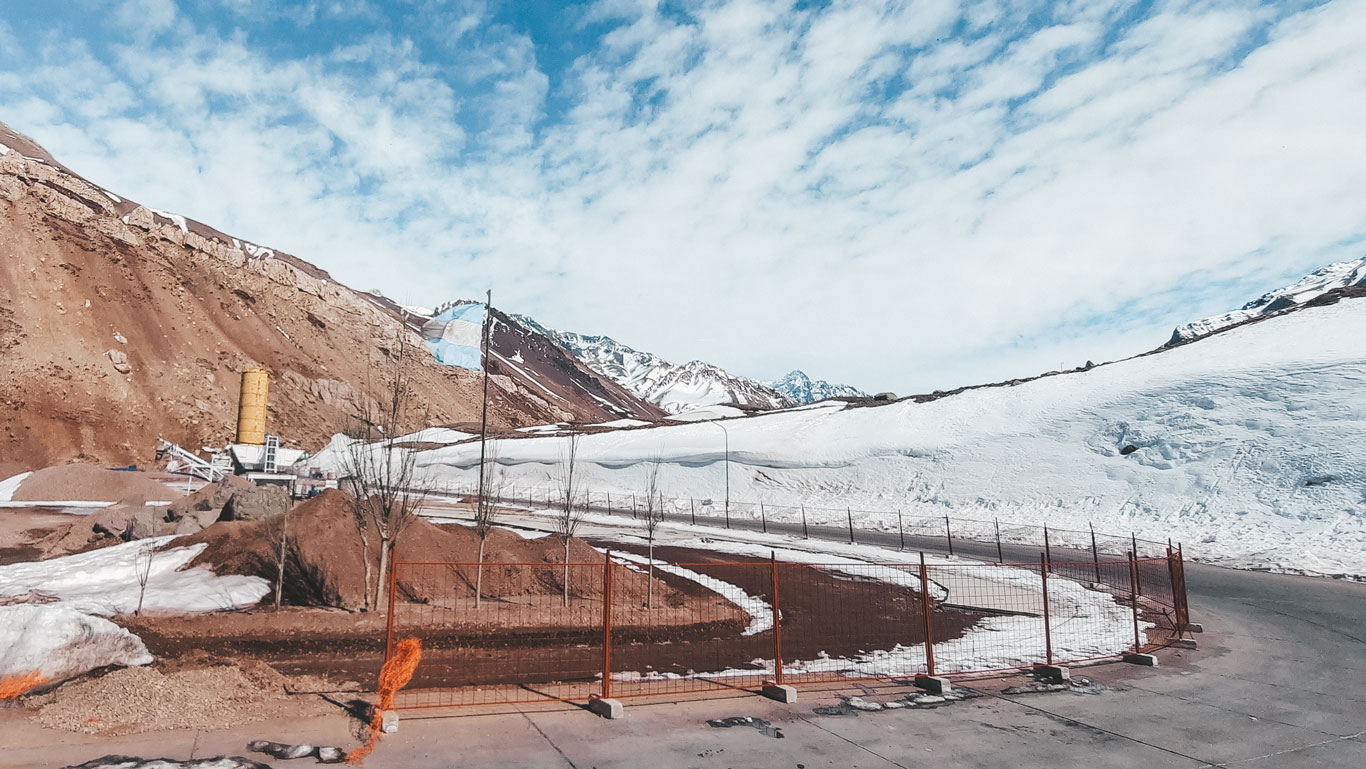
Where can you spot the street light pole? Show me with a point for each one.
(727, 466)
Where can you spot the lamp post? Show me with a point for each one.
(727, 466)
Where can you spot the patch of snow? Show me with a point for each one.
(104, 581)
(59, 642)
(112, 196)
(176, 219)
(11, 485)
(622, 423)
(5, 150)
(435, 435)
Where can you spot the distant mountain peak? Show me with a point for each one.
(800, 387)
(673, 387)
(1311, 286)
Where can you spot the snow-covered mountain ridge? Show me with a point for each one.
(1311, 286)
(674, 388)
(803, 389)
(1246, 447)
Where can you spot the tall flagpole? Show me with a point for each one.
(484, 419)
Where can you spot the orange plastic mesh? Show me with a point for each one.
(395, 675)
(13, 686)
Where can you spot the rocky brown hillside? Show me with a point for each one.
(120, 324)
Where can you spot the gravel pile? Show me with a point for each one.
(144, 699)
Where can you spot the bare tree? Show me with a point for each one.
(570, 503)
(384, 479)
(654, 515)
(276, 530)
(142, 569)
(486, 510)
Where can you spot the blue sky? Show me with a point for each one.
(900, 195)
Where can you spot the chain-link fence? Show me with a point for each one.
(627, 625)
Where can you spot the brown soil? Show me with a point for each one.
(115, 333)
(92, 484)
(822, 613)
(325, 564)
(21, 530)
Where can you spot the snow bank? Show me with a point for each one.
(60, 642)
(105, 581)
(11, 485)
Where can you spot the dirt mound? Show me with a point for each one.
(143, 699)
(204, 507)
(91, 484)
(325, 566)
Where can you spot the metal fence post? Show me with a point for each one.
(777, 622)
(948, 534)
(1047, 548)
(926, 614)
(763, 517)
(607, 626)
(999, 557)
(901, 532)
(1138, 578)
(609, 503)
(1095, 553)
(805, 534)
(849, 512)
(692, 510)
(1133, 598)
(1047, 622)
(633, 505)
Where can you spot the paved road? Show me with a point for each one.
(1279, 682)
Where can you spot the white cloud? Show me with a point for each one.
(732, 183)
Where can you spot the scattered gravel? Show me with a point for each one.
(143, 699)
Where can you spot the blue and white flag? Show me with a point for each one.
(455, 336)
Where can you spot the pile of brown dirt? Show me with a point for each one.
(90, 484)
(142, 699)
(325, 567)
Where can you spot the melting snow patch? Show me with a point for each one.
(105, 581)
(11, 484)
(176, 219)
(760, 613)
(59, 642)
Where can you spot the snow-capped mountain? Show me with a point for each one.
(1244, 444)
(673, 387)
(803, 389)
(1311, 286)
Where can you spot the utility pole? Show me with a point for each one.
(727, 465)
(484, 417)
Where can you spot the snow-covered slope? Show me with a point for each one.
(674, 388)
(1248, 450)
(1311, 286)
(801, 388)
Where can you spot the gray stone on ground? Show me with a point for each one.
(256, 503)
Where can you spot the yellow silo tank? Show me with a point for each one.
(251, 409)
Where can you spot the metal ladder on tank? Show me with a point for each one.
(271, 463)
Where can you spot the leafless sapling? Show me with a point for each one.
(570, 505)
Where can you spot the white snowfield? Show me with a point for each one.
(1249, 447)
(105, 581)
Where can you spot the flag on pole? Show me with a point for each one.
(455, 336)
